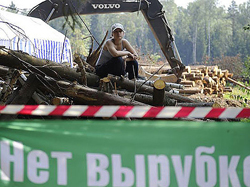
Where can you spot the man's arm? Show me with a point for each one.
(115, 53)
(128, 46)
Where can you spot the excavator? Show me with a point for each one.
(151, 10)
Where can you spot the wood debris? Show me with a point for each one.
(29, 80)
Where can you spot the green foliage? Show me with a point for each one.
(79, 43)
(247, 27)
(154, 57)
(203, 30)
(239, 94)
(246, 71)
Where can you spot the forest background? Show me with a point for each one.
(204, 32)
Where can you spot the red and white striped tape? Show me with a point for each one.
(126, 111)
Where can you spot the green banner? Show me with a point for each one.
(124, 153)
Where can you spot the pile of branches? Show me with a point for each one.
(28, 80)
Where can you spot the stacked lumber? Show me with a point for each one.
(195, 79)
(205, 79)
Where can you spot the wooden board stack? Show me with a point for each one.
(205, 79)
(198, 79)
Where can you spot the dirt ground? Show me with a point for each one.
(219, 102)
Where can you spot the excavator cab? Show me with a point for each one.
(151, 10)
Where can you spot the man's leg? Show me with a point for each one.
(132, 68)
(115, 66)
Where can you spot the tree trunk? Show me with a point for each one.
(237, 83)
(23, 95)
(129, 85)
(24, 61)
(89, 96)
(159, 93)
(148, 99)
(195, 42)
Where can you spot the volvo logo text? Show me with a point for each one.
(106, 6)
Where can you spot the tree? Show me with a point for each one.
(247, 27)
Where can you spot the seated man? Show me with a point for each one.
(113, 56)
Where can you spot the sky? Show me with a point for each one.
(31, 3)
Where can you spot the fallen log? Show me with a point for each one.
(191, 91)
(143, 98)
(237, 83)
(168, 85)
(130, 86)
(148, 99)
(23, 96)
(205, 104)
(153, 69)
(187, 82)
(85, 95)
(20, 60)
(171, 78)
(60, 101)
(35, 95)
(159, 93)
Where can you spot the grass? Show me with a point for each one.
(239, 94)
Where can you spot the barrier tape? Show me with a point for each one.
(126, 111)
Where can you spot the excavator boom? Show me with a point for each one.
(151, 10)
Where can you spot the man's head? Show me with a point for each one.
(117, 26)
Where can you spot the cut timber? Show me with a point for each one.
(196, 78)
(14, 59)
(225, 73)
(213, 69)
(227, 89)
(89, 96)
(191, 91)
(237, 83)
(23, 95)
(219, 73)
(165, 77)
(105, 85)
(199, 84)
(209, 81)
(230, 75)
(196, 71)
(153, 69)
(216, 79)
(60, 101)
(205, 104)
(223, 81)
(187, 69)
(130, 86)
(208, 91)
(168, 85)
(187, 82)
(35, 95)
(188, 75)
(81, 67)
(217, 105)
(148, 99)
(159, 93)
